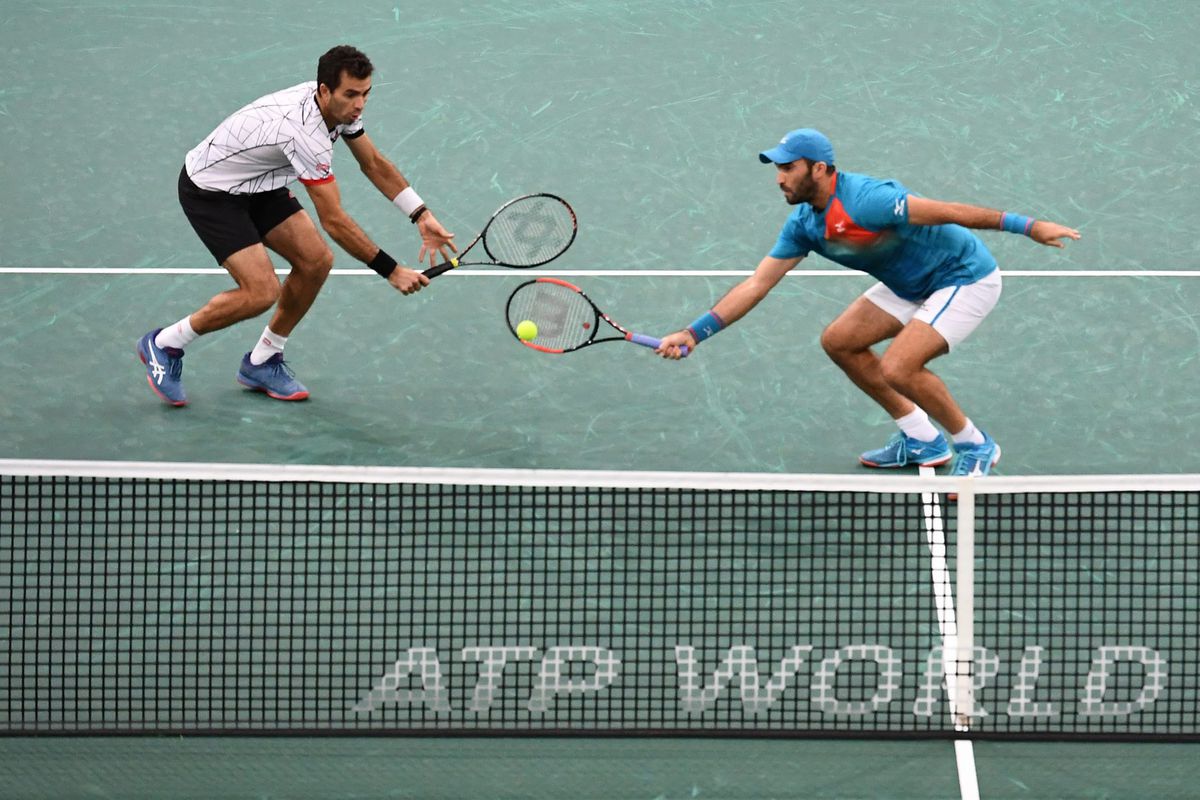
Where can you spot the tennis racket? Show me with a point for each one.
(566, 318)
(525, 232)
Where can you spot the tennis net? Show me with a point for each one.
(177, 598)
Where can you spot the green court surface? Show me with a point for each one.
(437, 380)
(647, 116)
(347, 769)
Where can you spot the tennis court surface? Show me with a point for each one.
(466, 569)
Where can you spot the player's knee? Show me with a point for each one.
(262, 296)
(323, 262)
(316, 263)
(896, 372)
(834, 344)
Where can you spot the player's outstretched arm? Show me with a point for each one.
(730, 308)
(923, 211)
(342, 228)
(435, 239)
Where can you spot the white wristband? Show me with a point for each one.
(408, 201)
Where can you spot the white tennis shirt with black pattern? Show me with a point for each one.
(267, 144)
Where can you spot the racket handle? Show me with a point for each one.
(440, 269)
(652, 343)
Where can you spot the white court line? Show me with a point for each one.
(935, 534)
(968, 780)
(612, 273)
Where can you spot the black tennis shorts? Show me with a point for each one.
(227, 222)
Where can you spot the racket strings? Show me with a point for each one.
(529, 232)
(564, 318)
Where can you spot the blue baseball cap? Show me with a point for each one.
(798, 144)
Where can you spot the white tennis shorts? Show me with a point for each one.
(954, 312)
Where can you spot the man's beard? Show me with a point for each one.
(804, 193)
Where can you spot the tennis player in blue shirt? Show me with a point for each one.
(937, 282)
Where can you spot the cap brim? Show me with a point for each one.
(776, 155)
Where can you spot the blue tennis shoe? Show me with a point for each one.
(975, 459)
(273, 376)
(905, 451)
(164, 369)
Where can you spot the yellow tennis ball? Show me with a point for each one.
(526, 330)
(454, 262)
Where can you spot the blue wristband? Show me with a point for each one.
(1015, 223)
(706, 326)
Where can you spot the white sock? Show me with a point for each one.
(179, 335)
(268, 345)
(916, 425)
(969, 434)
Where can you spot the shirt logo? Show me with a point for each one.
(323, 168)
(898, 210)
(841, 228)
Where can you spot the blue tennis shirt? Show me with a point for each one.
(865, 227)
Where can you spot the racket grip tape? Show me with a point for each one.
(652, 343)
(440, 269)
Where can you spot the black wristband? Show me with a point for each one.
(416, 215)
(384, 264)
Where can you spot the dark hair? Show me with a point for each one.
(830, 168)
(342, 58)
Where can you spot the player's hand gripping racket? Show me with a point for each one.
(565, 317)
(524, 232)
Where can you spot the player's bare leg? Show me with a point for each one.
(257, 290)
(298, 241)
(263, 368)
(903, 368)
(848, 341)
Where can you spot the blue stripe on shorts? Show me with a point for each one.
(949, 300)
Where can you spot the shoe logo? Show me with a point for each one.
(916, 451)
(156, 369)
